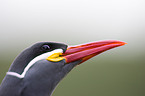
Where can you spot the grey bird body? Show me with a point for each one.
(40, 80)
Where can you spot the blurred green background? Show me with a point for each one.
(118, 72)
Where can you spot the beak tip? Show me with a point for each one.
(123, 43)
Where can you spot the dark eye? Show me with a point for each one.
(45, 47)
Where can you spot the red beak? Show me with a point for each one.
(86, 51)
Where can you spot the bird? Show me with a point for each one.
(38, 69)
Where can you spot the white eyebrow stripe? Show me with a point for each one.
(33, 61)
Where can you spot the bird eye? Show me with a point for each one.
(45, 47)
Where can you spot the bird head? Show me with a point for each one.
(44, 64)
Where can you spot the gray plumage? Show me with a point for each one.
(40, 80)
